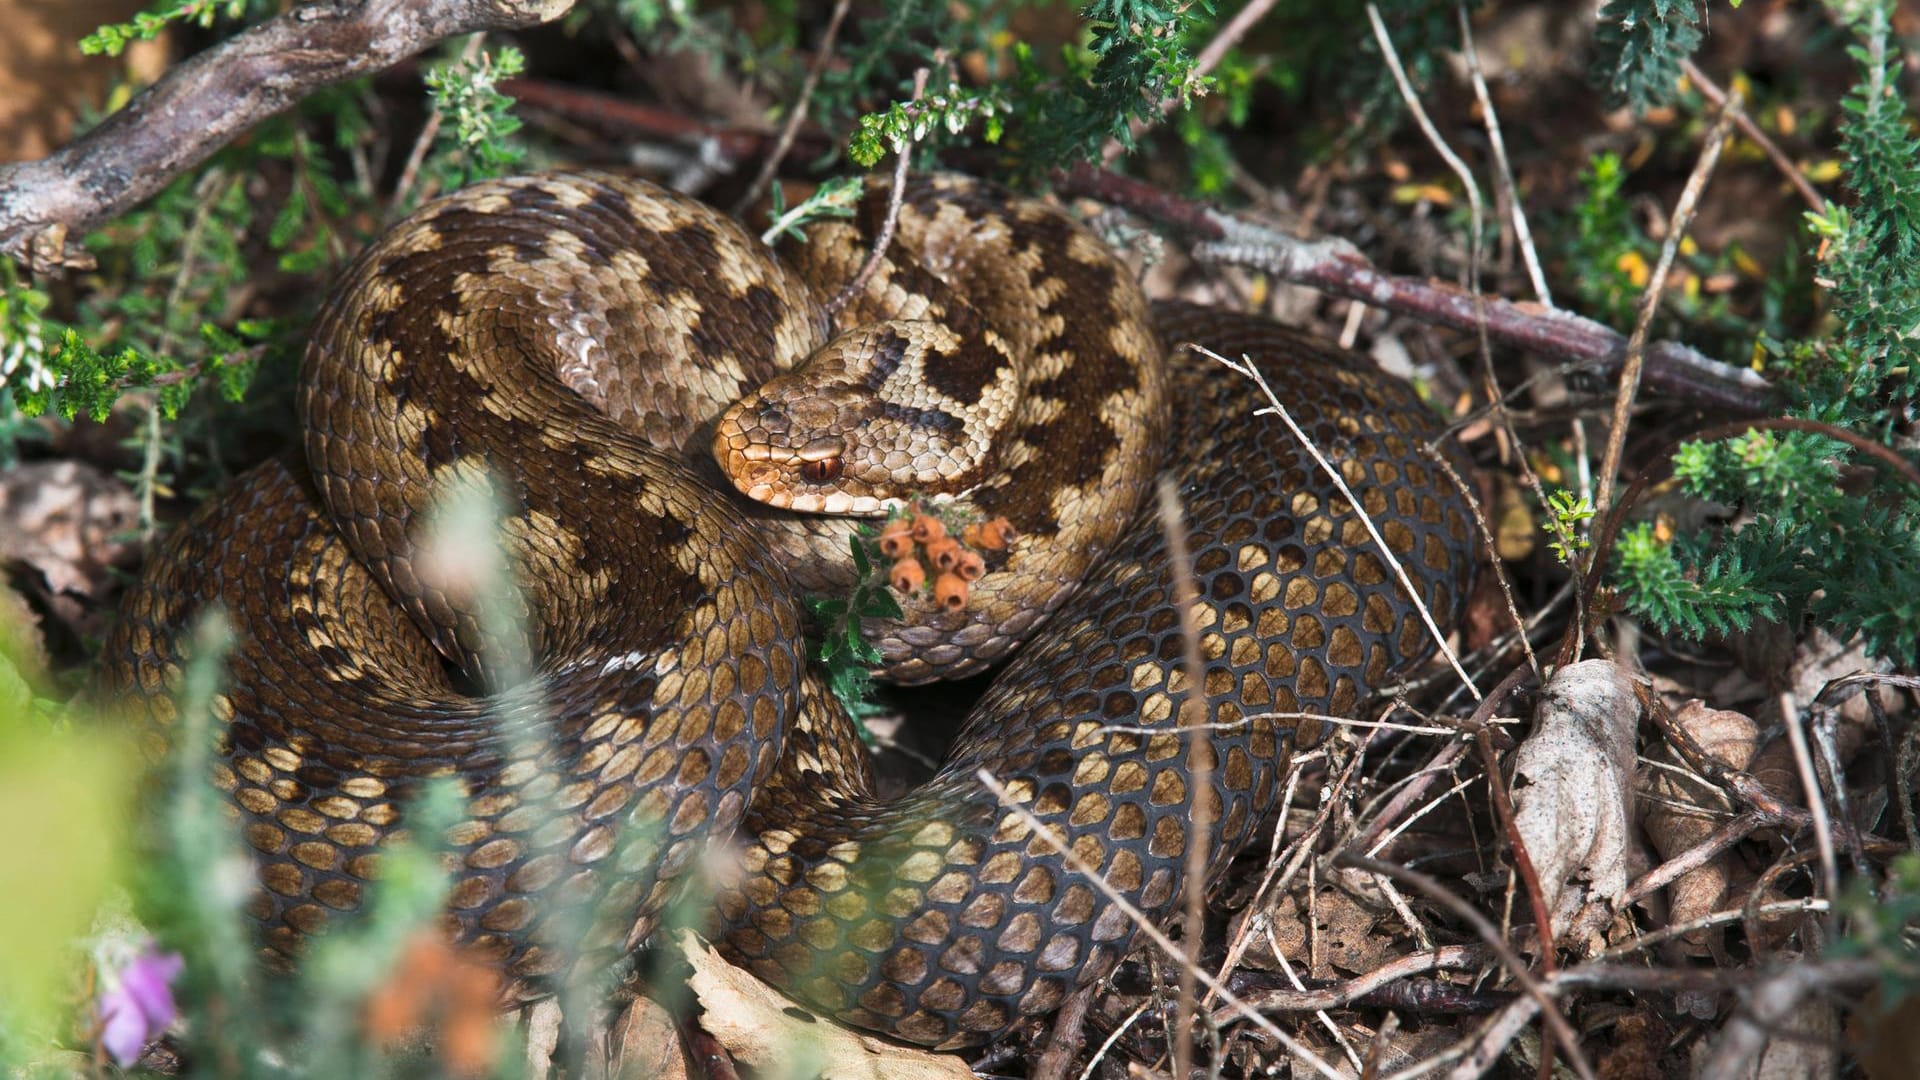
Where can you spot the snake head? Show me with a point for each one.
(854, 430)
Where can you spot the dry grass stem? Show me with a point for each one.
(1718, 918)
(428, 132)
(894, 198)
(1434, 804)
(1319, 1015)
(1113, 1040)
(1235, 725)
(1411, 791)
(1816, 803)
(1444, 958)
(1502, 170)
(1475, 210)
(1801, 185)
(1500, 574)
(1251, 371)
(1650, 302)
(1199, 754)
(797, 115)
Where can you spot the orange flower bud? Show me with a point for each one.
(907, 575)
(950, 592)
(944, 553)
(896, 540)
(927, 528)
(992, 535)
(970, 565)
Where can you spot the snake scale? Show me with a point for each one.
(566, 342)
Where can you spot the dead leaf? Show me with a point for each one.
(1572, 787)
(1684, 811)
(67, 520)
(1347, 936)
(645, 1044)
(765, 1030)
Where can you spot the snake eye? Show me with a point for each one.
(823, 471)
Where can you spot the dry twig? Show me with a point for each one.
(885, 240)
(797, 115)
(1338, 269)
(1650, 302)
(210, 99)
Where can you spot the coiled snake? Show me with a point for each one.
(568, 340)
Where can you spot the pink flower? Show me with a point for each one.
(138, 1004)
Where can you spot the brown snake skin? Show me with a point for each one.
(671, 705)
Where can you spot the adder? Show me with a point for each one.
(635, 691)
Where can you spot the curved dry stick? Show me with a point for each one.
(212, 98)
(1338, 269)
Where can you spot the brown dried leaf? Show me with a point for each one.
(66, 520)
(767, 1031)
(1347, 936)
(1572, 787)
(1732, 739)
(645, 1044)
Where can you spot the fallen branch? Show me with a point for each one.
(1338, 268)
(212, 98)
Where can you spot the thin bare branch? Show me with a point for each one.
(1489, 934)
(1795, 176)
(1650, 302)
(212, 98)
(885, 239)
(1274, 408)
(1339, 269)
(796, 115)
(1502, 171)
(1199, 754)
(1153, 933)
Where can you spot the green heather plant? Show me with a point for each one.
(1814, 542)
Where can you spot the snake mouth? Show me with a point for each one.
(778, 475)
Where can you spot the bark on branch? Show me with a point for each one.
(210, 99)
(1336, 267)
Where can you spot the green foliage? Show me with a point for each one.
(1136, 55)
(477, 122)
(165, 311)
(835, 198)
(1605, 242)
(1880, 924)
(1722, 595)
(1814, 543)
(23, 357)
(1872, 251)
(113, 38)
(847, 655)
(1641, 44)
(74, 784)
(1566, 514)
(904, 123)
(1814, 547)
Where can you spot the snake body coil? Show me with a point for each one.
(669, 704)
